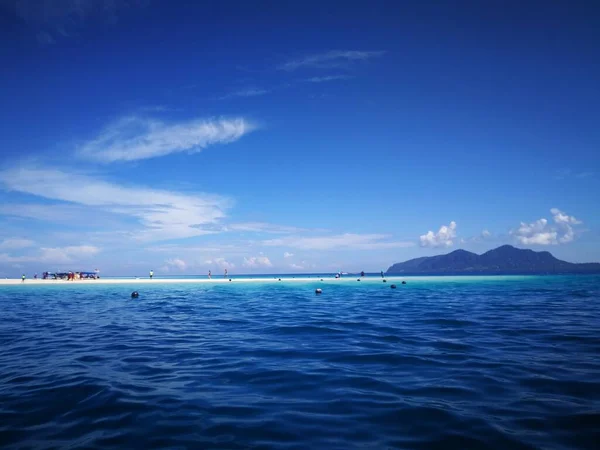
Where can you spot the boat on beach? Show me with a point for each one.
(70, 275)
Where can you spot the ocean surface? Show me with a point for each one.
(440, 363)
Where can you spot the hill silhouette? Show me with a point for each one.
(502, 260)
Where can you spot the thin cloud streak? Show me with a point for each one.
(135, 138)
(343, 241)
(328, 78)
(255, 262)
(16, 244)
(56, 19)
(53, 255)
(261, 227)
(44, 38)
(162, 214)
(249, 92)
(564, 174)
(330, 59)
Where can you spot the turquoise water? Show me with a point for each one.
(463, 362)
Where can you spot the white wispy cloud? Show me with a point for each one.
(134, 138)
(162, 214)
(564, 174)
(248, 92)
(342, 241)
(16, 243)
(443, 238)
(175, 263)
(54, 19)
(328, 78)
(67, 254)
(330, 59)
(159, 109)
(287, 255)
(255, 262)
(204, 250)
(44, 38)
(221, 263)
(54, 255)
(485, 235)
(261, 227)
(63, 213)
(543, 232)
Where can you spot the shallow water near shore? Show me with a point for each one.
(490, 362)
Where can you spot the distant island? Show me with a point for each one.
(499, 261)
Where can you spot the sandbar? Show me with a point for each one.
(146, 280)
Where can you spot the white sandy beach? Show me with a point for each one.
(275, 279)
(397, 279)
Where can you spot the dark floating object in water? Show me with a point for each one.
(230, 279)
(404, 282)
(385, 281)
(393, 286)
(358, 279)
(135, 294)
(318, 291)
(280, 279)
(321, 279)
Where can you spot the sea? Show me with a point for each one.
(437, 363)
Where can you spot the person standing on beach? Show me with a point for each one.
(23, 278)
(151, 274)
(209, 275)
(225, 276)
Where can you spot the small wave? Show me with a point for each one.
(450, 322)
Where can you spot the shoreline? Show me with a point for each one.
(32, 281)
(273, 280)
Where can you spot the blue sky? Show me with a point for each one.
(294, 136)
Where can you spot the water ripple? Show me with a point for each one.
(465, 364)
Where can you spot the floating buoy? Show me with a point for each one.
(385, 281)
(230, 279)
(280, 279)
(358, 279)
(135, 294)
(318, 291)
(393, 286)
(404, 282)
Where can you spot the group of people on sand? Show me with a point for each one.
(69, 276)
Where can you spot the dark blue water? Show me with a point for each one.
(505, 363)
